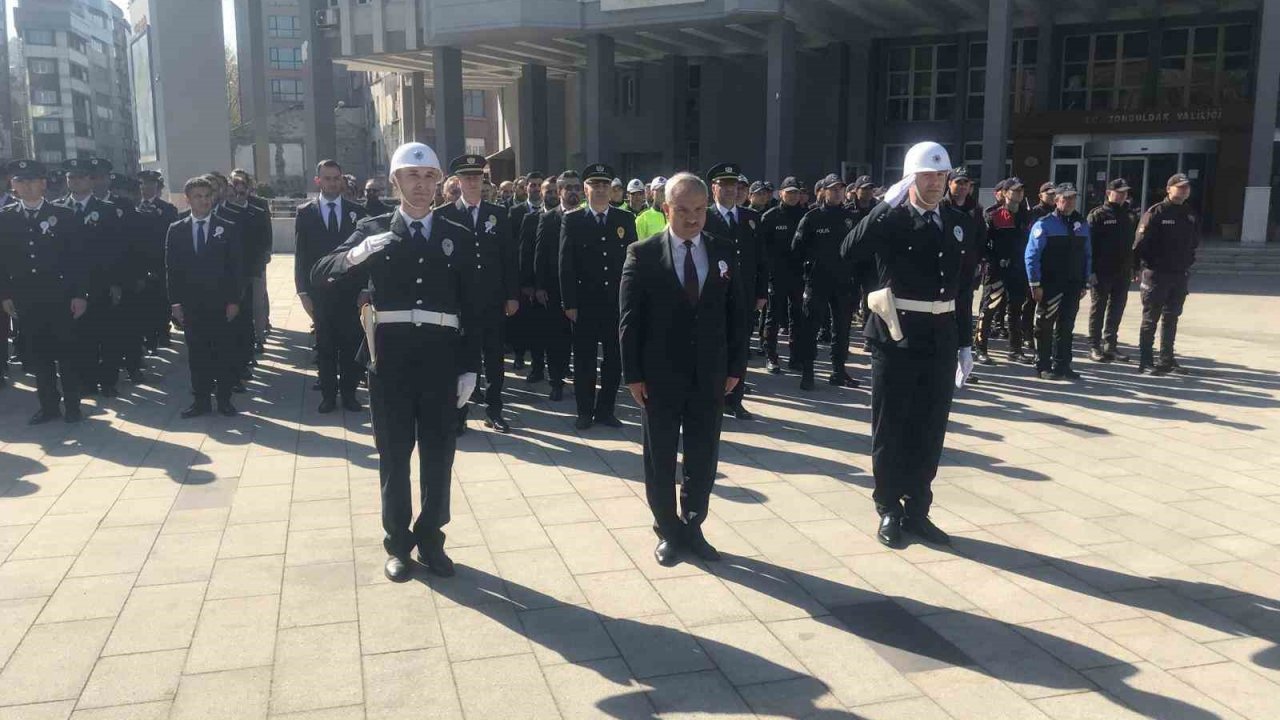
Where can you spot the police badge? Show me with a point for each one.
(446, 246)
(958, 232)
(848, 222)
(621, 233)
(751, 224)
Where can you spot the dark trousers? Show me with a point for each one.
(516, 330)
(153, 313)
(556, 333)
(699, 415)
(529, 324)
(4, 344)
(52, 353)
(910, 400)
(415, 404)
(824, 304)
(785, 308)
(1107, 300)
(102, 334)
(243, 330)
(492, 346)
(1003, 297)
(1163, 295)
(210, 352)
(1055, 323)
(595, 328)
(338, 336)
(133, 311)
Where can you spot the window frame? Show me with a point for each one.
(469, 99)
(29, 36)
(1118, 89)
(293, 32)
(36, 93)
(1219, 57)
(913, 94)
(294, 62)
(278, 94)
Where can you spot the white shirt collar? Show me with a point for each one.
(337, 206)
(426, 219)
(83, 202)
(727, 211)
(37, 208)
(205, 219)
(696, 239)
(937, 210)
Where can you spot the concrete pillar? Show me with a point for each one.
(710, 112)
(418, 109)
(780, 118)
(531, 134)
(598, 100)
(446, 63)
(1043, 97)
(858, 146)
(557, 149)
(406, 108)
(995, 107)
(1257, 194)
(677, 72)
(319, 126)
(254, 110)
(839, 54)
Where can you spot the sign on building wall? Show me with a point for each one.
(611, 5)
(144, 105)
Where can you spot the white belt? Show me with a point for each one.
(941, 307)
(418, 317)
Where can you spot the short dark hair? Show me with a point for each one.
(243, 174)
(564, 178)
(328, 163)
(215, 173)
(200, 181)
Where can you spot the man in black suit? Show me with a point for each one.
(204, 268)
(155, 216)
(593, 245)
(522, 331)
(255, 233)
(320, 226)
(557, 330)
(530, 319)
(374, 188)
(725, 219)
(683, 334)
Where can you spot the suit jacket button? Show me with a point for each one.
(419, 281)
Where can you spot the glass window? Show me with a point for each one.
(1104, 71)
(79, 72)
(283, 26)
(283, 90)
(50, 157)
(284, 58)
(1022, 77)
(40, 37)
(45, 97)
(921, 82)
(894, 155)
(473, 103)
(41, 66)
(77, 43)
(475, 146)
(1206, 65)
(48, 126)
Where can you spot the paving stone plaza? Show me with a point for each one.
(1115, 554)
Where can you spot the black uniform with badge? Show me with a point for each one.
(531, 318)
(1005, 292)
(1165, 245)
(43, 267)
(593, 247)
(786, 287)
(155, 215)
(557, 331)
(829, 289)
(521, 328)
(1111, 230)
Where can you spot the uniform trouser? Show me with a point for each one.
(415, 403)
(133, 310)
(244, 329)
(526, 332)
(1107, 299)
(699, 415)
(596, 327)
(493, 351)
(1003, 297)
(153, 312)
(785, 308)
(211, 348)
(52, 353)
(910, 400)
(1055, 323)
(261, 306)
(102, 333)
(823, 303)
(4, 343)
(516, 330)
(338, 336)
(556, 333)
(1163, 295)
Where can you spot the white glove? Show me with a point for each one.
(369, 246)
(964, 365)
(466, 384)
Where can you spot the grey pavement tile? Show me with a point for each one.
(969, 694)
(161, 617)
(266, 538)
(657, 645)
(1155, 693)
(622, 594)
(566, 633)
(112, 551)
(195, 520)
(771, 593)
(397, 617)
(1188, 617)
(783, 544)
(511, 687)
(1158, 644)
(16, 616)
(701, 600)
(1086, 706)
(39, 711)
(1076, 644)
(588, 548)
(695, 695)
(88, 598)
(1009, 656)
(595, 688)
(52, 662)
(318, 595)
(988, 590)
(851, 667)
(234, 633)
(487, 631)
(1235, 686)
(801, 698)
(141, 711)
(513, 533)
(316, 667)
(913, 709)
(906, 584)
(401, 684)
(747, 653)
(137, 511)
(180, 558)
(561, 509)
(900, 638)
(244, 576)
(538, 578)
(240, 694)
(56, 535)
(32, 578)
(131, 679)
(319, 546)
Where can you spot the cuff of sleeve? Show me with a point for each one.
(1035, 284)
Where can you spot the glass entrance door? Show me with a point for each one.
(1133, 169)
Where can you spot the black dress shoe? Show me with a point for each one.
(557, 393)
(1096, 355)
(890, 532)
(436, 561)
(806, 382)
(239, 388)
(136, 377)
(698, 545)
(72, 414)
(397, 570)
(923, 528)
(327, 406)
(226, 409)
(535, 376)
(350, 404)
(196, 410)
(740, 412)
(1176, 369)
(842, 380)
(1117, 355)
(497, 424)
(982, 358)
(1152, 370)
(609, 420)
(773, 366)
(1046, 375)
(43, 416)
(582, 423)
(1067, 374)
(666, 553)
(110, 391)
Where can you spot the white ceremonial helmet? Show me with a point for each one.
(414, 154)
(657, 183)
(926, 156)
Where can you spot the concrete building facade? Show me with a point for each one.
(1088, 90)
(80, 101)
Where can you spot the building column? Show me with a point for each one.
(780, 118)
(406, 107)
(446, 64)
(1041, 100)
(995, 106)
(417, 90)
(531, 132)
(320, 127)
(252, 51)
(677, 72)
(840, 151)
(557, 152)
(1257, 194)
(858, 106)
(598, 100)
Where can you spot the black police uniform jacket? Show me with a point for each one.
(1112, 231)
(213, 278)
(314, 240)
(591, 258)
(496, 258)
(749, 244)
(43, 261)
(255, 231)
(1167, 238)
(527, 234)
(1006, 243)
(920, 262)
(106, 243)
(435, 274)
(817, 245)
(546, 255)
(154, 218)
(778, 228)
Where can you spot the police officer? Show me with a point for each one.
(423, 350)
(617, 194)
(123, 191)
(1111, 231)
(760, 197)
(496, 273)
(557, 330)
(531, 316)
(861, 199)
(1004, 285)
(521, 327)
(828, 283)
(1166, 243)
(255, 233)
(1059, 267)
(593, 246)
(635, 197)
(155, 215)
(725, 219)
(374, 189)
(1046, 204)
(651, 220)
(926, 254)
(786, 284)
(44, 284)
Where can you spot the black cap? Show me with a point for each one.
(1002, 185)
(791, 183)
(862, 181)
(724, 171)
(152, 175)
(120, 181)
(960, 173)
(26, 169)
(756, 187)
(99, 166)
(598, 171)
(1013, 182)
(828, 181)
(1065, 190)
(742, 179)
(1048, 187)
(1119, 185)
(1178, 179)
(467, 165)
(535, 175)
(79, 166)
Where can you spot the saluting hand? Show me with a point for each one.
(639, 393)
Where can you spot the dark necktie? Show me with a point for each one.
(600, 219)
(690, 273)
(474, 217)
(31, 215)
(200, 236)
(416, 226)
(928, 218)
(731, 219)
(79, 210)
(332, 223)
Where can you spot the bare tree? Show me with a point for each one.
(233, 88)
